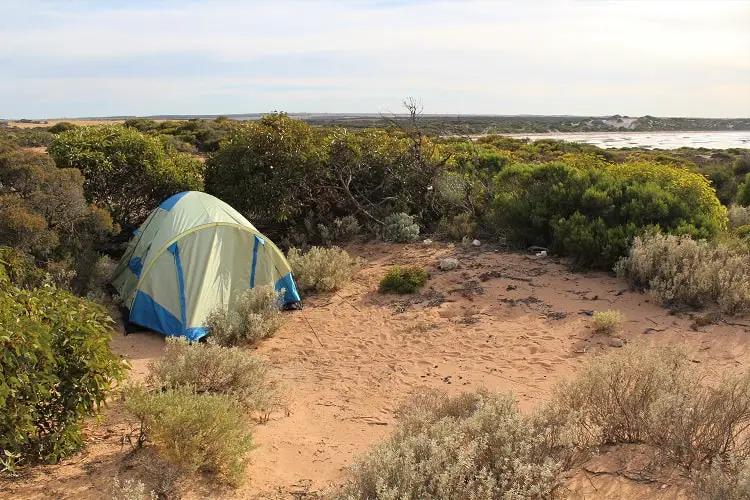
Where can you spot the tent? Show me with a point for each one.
(192, 254)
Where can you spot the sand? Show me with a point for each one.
(501, 320)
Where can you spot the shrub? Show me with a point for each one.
(210, 368)
(607, 322)
(341, 231)
(591, 210)
(470, 446)
(400, 228)
(34, 138)
(457, 227)
(731, 482)
(743, 192)
(194, 431)
(738, 216)
(679, 270)
(322, 269)
(254, 316)
(131, 489)
(126, 171)
(404, 280)
(56, 369)
(60, 127)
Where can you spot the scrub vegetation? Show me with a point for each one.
(673, 223)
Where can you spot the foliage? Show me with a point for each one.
(743, 192)
(268, 170)
(457, 227)
(607, 322)
(125, 171)
(680, 270)
(210, 368)
(44, 212)
(131, 489)
(34, 138)
(591, 210)
(738, 216)
(342, 230)
(254, 316)
(56, 369)
(403, 280)
(731, 482)
(400, 228)
(61, 127)
(470, 446)
(199, 135)
(194, 431)
(322, 269)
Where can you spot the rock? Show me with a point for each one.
(476, 243)
(447, 264)
(615, 342)
(427, 242)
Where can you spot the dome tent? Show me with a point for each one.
(194, 253)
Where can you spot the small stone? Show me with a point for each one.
(615, 342)
(476, 243)
(448, 264)
(427, 242)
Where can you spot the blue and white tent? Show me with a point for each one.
(195, 253)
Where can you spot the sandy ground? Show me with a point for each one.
(501, 321)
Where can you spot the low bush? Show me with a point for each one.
(342, 230)
(470, 446)
(404, 280)
(131, 489)
(738, 216)
(322, 269)
(56, 369)
(194, 432)
(680, 270)
(591, 209)
(731, 482)
(400, 228)
(254, 316)
(607, 322)
(210, 368)
(457, 227)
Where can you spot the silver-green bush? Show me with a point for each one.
(342, 230)
(211, 368)
(322, 269)
(194, 431)
(680, 270)
(400, 228)
(255, 316)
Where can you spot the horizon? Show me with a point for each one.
(93, 59)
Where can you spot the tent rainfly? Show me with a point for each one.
(194, 253)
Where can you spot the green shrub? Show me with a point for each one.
(400, 228)
(210, 368)
(743, 192)
(342, 230)
(56, 369)
(403, 280)
(679, 270)
(125, 171)
(205, 432)
(470, 446)
(591, 210)
(743, 232)
(322, 269)
(457, 227)
(34, 138)
(254, 316)
(60, 127)
(607, 322)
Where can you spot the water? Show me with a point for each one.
(652, 140)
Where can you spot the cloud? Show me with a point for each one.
(634, 57)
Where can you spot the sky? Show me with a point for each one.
(79, 58)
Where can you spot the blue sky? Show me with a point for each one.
(596, 57)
